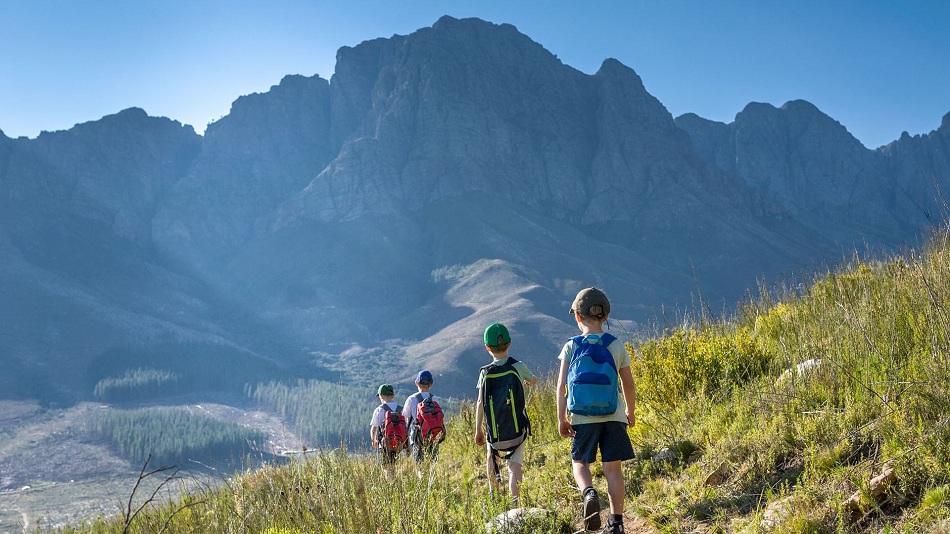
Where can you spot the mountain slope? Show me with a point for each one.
(812, 167)
(438, 182)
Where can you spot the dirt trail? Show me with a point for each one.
(634, 524)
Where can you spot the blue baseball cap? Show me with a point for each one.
(424, 377)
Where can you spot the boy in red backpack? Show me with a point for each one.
(425, 419)
(388, 426)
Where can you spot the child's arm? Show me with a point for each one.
(409, 411)
(523, 371)
(629, 388)
(563, 424)
(479, 421)
(374, 435)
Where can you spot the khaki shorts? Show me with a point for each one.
(516, 457)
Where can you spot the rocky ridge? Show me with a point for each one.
(438, 182)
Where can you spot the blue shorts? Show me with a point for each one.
(610, 437)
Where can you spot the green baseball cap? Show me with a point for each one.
(385, 389)
(496, 334)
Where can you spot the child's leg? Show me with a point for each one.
(582, 474)
(515, 463)
(514, 479)
(492, 470)
(613, 472)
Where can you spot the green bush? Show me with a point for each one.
(688, 362)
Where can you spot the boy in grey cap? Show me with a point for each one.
(595, 428)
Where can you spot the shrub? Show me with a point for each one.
(688, 362)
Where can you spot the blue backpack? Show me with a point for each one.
(592, 377)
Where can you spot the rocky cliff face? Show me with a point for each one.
(113, 171)
(268, 148)
(919, 167)
(437, 183)
(813, 168)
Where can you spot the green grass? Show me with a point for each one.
(788, 448)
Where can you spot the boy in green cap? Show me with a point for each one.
(388, 413)
(505, 422)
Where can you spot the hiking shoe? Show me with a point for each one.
(613, 528)
(591, 510)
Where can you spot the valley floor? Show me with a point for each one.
(50, 476)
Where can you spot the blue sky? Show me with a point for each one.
(877, 67)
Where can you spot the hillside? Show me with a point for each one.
(817, 409)
(329, 235)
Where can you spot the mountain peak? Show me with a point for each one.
(459, 145)
(449, 23)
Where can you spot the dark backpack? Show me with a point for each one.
(506, 420)
(592, 377)
(430, 428)
(393, 435)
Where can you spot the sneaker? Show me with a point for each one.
(591, 511)
(613, 528)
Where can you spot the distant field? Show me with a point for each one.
(49, 505)
(51, 476)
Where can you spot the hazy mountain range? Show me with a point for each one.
(362, 228)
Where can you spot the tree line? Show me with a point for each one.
(137, 385)
(323, 413)
(173, 436)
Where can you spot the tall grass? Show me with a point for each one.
(349, 491)
(766, 421)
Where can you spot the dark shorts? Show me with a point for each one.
(610, 437)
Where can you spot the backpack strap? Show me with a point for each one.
(509, 361)
(604, 339)
(386, 407)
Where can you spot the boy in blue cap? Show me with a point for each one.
(421, 449)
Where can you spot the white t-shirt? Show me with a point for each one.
(621, 359)
(412, 403)
(379, 413)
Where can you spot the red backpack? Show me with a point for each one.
(393, 432)
(429, 420)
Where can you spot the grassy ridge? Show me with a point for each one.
(774, 420)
